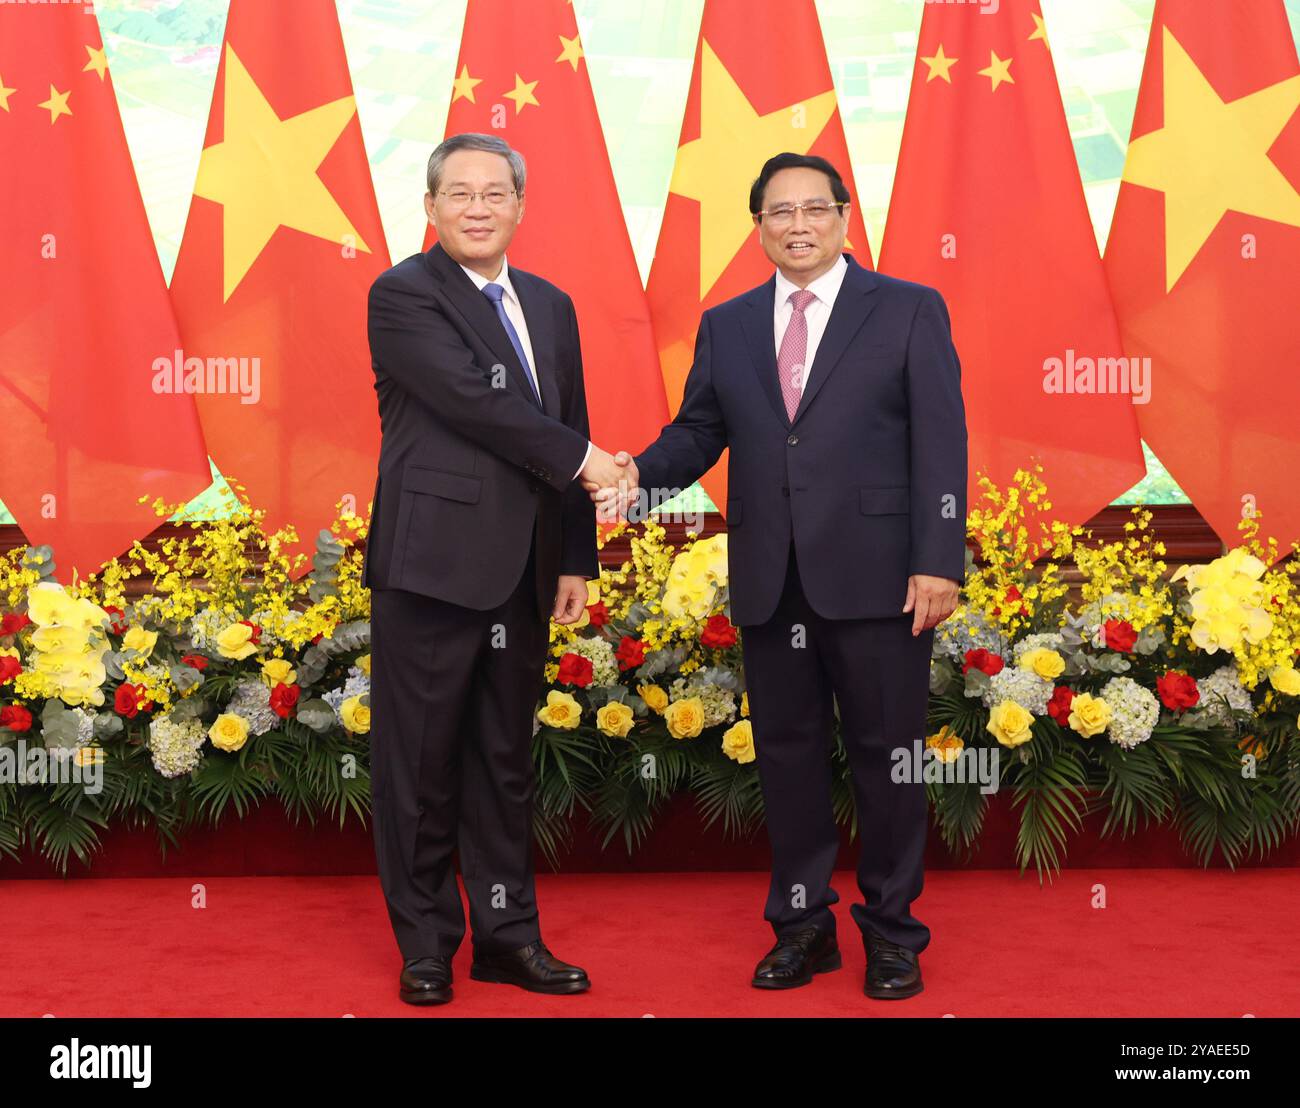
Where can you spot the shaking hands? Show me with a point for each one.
(612, 482)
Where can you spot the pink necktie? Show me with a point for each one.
(794, 350)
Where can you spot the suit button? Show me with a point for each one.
(793, 440)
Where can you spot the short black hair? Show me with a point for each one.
(795, 161)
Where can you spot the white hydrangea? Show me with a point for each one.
(719, 703)
(85, 726)
(1210, 711)
(1134, 711)
(600, 652)
(175, 746)
(966, 629)
(206, 625)
(252, 702)
(1023, 686)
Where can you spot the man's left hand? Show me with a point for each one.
(935, 599)
(570, 598)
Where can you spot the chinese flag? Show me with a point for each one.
(1204, 258)
(761, 86)
(521, 75)
(988, 208)
(282, 243)
(84, 313)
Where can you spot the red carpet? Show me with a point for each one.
(1170, 943)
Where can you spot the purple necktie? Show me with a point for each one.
(794, 351)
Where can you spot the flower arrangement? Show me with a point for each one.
(236, 677)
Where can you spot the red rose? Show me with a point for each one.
(315, 638)
(718, 632)
(1120, 635)
(283, 699)
(597, 614)
(256, 635)
(118, 626)
(127, 702)
(630, 652)
(1177, 690)
(10, 667)
(984, 661)
(13, 623)
(196, 661)
(575, 670)
(15, 717)
(1059, 706)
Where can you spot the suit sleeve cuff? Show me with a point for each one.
(584, 461)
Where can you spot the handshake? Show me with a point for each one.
(611, 479)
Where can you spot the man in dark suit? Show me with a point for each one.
(480, 533)
(846, 510)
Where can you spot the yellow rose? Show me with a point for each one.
(685, 718)
(228, 731)
(1286, 679)
(744, 703)
(355, 714)
(1010, 723)
(236, 641)
(278, 671)
(363, 664)
(137, 638)
(89, 756)
(561, 711)
(947, 746)
(738, 741)
(655, 698)
(1046, 663)
(615, 719)
(1089, 715)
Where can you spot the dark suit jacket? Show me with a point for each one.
(869, 480)
(470, 466)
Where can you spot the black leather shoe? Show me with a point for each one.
(893, 971)
(796, 957)
(426, 980)
(531, 967)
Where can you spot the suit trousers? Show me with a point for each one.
(879, 676)
(453, 694)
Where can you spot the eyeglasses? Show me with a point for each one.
(462, 198)
(815, 211)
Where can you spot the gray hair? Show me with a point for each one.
(472, 140)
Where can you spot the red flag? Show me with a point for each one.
(521, 74)
(1204, 257)
(988, 208)
(281, 246)
(761, 86)
(84, 315)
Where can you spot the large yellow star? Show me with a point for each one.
(522, 94)
(264, 173)
(98, 61)
(464, 85)
(571, 52)
(998, 71)
(718, 167)
(1211, 157)
(5, 93)
(939, 65)
(57, 104)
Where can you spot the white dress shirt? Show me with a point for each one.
(818, 311)
(515, 313)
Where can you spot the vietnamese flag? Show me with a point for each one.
(521, 75)
(281, 245)
(988, 208)
(84, 313)
(761, 86)
(1204, 258)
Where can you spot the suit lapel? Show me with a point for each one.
(853, 303)
(479, 313)
(541, 337)
(759, 334)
